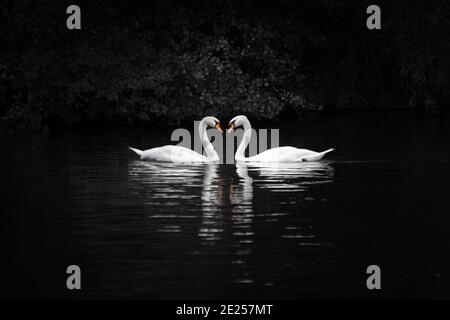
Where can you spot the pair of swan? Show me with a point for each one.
(178, 154)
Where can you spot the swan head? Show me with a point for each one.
(212, 122)
(236, 122)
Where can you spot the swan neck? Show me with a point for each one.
(209, 148)
(240, 152)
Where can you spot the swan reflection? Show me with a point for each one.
(265, 180)
(234, 208)
(212, 197)
(162, 181)
(241, 194)
(286, 177)
(188, 187)
(181, 182)
(242, 217)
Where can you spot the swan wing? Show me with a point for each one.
(287, 154)
(175, 154)
(281, 154)
(316, 156)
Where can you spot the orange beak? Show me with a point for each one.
(231, 128)
(217, 126)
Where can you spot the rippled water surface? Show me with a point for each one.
(154, 230)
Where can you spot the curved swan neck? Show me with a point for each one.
(240, 152)
(209, 149)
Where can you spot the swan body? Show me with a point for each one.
(179, 154)
(176, 154)
(280, 154)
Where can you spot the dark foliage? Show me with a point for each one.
(168, 61)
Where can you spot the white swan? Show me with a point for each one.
(179, 154)
(281, 154)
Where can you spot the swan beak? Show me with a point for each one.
(217, 126)
(231, 128)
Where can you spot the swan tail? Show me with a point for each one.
(137, 151)
(326, 151)
(317, 156)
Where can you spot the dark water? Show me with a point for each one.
(149, 230)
